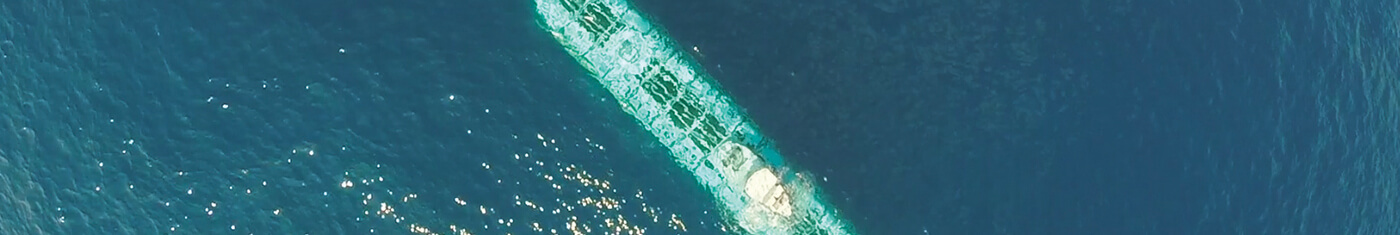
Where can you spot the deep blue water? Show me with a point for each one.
(943, 117)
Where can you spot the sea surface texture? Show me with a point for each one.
(914, 117)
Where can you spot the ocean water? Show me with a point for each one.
(918, 117)
(263, 117)
(1091, 117)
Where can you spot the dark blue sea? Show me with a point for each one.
(917, 117)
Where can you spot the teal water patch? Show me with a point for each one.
(193, 118)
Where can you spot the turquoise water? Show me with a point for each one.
(272, 118)
(1093, 117)
(949, 117)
